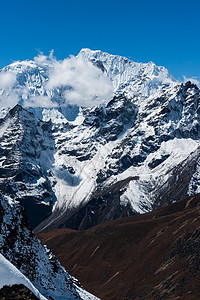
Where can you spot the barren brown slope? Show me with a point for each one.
(150, 256)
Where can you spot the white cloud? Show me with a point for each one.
(39, 101)
(44, 59)
(193, 80)
(9, 100)
(80, 81)
(84, 84)
(7, 80)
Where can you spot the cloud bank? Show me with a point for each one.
(82, 82)
(8, 97)
(42, 59)
(192, 80)
(7, 80)
(76, 80)
(39, 101)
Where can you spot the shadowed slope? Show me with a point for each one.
(150, 256)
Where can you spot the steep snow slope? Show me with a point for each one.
(10, 275)
(31, 258)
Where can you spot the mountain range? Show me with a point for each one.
(79, 166)
(87, 140)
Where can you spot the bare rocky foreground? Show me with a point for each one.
(151, 256)
(16, 291)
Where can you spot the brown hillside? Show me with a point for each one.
(150, 256)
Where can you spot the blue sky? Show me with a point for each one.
(165, 32)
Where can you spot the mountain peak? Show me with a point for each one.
(131, 78)
(18, 109)
(31, 83)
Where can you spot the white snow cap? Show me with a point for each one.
(88, 79)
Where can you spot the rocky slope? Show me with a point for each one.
(24, 260)
(154, 255)
(26, 153)
(80, 166)
(16, 291)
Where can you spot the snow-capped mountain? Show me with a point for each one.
(24, 260)
(87, 165)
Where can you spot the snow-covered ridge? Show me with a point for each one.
(48, 83)
(128, 77)
(10, 275)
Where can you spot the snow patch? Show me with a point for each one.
(4, 127)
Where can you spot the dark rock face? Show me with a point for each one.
(35, 211)
(16, 291)
(22, 174)
(99, 65)
(155, 162)
(105, 124)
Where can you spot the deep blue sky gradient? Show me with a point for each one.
(163, 31)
